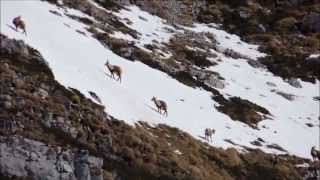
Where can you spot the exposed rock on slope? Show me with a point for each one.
(21, 157)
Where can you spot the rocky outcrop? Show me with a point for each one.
(25, 158)
(211, 79)
(16, 47)
(311, 23)
(294, 82)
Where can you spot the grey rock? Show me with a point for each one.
(315, 60)
(7, 105)
(126, 52)
(44, 86)
(294, 82)
(311, 23)
(60, 119)
(20, 102)
(47, 119)
(82, 169)
(256, 64)
(5, 97)
(43, 93)
(233, 54)
(4, 67)
(214, 81)
(244, 14)
(198, 74)
(23, 157)
(207, 77)
(14, 47)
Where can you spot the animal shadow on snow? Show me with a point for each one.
(13, 28)
(152, 108)
(202, 137)
(109, 75)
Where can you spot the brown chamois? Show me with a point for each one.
(208, 134)
(114, 69)
(161, 105)
(274, 160)
(315, 153)
(19, 24)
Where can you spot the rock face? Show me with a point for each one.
(23, 157)
(11, 46)
(311, 23)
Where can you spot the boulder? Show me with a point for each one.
(215, 82)
(126, 52)
(256, 64)
(26, 158)
(13, 46)
(311, 23)
(7, 105)
(294, 82)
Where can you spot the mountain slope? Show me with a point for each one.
(48, 131)
(77, 61)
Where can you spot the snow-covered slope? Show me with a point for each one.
(77, 61)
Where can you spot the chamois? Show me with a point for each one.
(315, 153)
(274, 159)
(208, 134)
(19, 24)
(114, 69)
(161, 105)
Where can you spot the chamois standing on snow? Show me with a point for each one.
(161, 105)
(208, 134)
(315, 153)
(114, 69)
(19, 24)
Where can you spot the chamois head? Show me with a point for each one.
(107, 63)
(153, 98)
